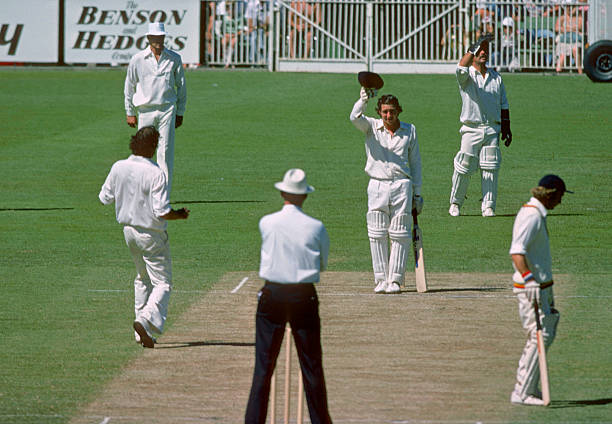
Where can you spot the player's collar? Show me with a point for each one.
(539, 205)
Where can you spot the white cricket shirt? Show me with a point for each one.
(482, 98)
(138, 188)
(389, 156)
(150, 83)
(530, 238)
(294, 247)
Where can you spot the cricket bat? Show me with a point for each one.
(419, 263)
(542, 357)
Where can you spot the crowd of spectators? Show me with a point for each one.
(537, 33)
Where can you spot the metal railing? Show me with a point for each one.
(394, 35)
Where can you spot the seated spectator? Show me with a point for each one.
(232, 28)
(452, 44)
(507, 47)
(301, 30)
(209, 31)
(483, 15)
(569, 37)
(486, 26)
(256, 25)
(534, 9)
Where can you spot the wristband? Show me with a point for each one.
(527, 276)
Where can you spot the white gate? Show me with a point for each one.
(388, 36)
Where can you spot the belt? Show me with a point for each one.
(481, 124)
(287, 285)
(542, 286)
(398, 178)
(291, 291)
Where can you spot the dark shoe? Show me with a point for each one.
(140, 326)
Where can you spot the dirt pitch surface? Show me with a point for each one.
(447, 356)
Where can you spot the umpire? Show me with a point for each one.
(294, 250)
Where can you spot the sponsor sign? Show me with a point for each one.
(29, 31)
(111, 31)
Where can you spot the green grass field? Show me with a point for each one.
(62, 253)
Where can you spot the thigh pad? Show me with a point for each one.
(490, 158)
(465, 163)
(378, 224)
(399, 228)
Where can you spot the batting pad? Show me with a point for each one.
(490, 158)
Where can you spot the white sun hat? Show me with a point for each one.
(508, 21)
(294, 182)
(156, 28)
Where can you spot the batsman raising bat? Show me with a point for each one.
(533, 281)
(393, 163)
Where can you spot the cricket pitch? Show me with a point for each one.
(448, 355)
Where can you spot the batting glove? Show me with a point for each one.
(506, 134)
(363, 95)
(417, 203)
(532, 290)
(367, 93)
(476, 46)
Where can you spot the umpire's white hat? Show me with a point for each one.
(156, 28)
(294, 182)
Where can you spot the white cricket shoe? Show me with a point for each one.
(529, 400)
(488, 212)
(454, 210)
(381, 286)
(393, 287)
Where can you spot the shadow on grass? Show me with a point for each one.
(217, 201)
(460, 289)
(36, 209)
(177, 345)
(579, 403)
(513, 215)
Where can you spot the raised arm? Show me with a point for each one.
(357, 116)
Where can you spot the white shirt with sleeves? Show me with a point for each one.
(138, 188)
(389, 156)
(482, 98)
(150, 83)
(294, 247)
(530, 238)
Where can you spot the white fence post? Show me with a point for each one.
(369, 33)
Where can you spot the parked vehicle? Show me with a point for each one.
(598, 56)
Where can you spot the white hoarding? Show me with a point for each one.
(111, 31)
(29, 31)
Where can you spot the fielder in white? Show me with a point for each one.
(155, 88)
(142, 205)
(394, 166)
(533, 281)
(484, 113)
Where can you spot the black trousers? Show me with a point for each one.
(298, 305)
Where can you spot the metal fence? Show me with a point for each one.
(401, 36)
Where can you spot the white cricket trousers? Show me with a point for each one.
(151, 254)
(473, 139)
(528, 372)
(392, 198)
(163, 119)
